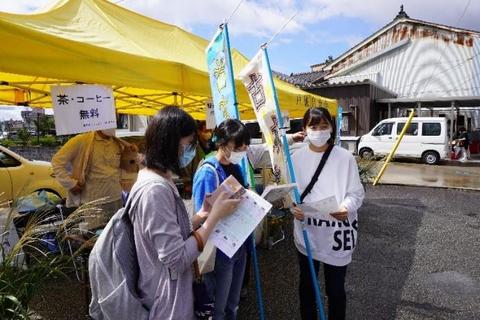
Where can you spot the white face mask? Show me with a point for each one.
(236, 157)
(319, 138)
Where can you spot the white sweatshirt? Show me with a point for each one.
(332, 242)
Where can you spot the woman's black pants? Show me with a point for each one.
(334, 284)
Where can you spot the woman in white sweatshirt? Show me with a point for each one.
(333, 236)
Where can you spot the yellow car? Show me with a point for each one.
(20, 177)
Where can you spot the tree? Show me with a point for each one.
(24, 136)
(44, 125)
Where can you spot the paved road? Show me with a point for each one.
(417, 258)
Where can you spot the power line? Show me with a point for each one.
(280, 30)
(234, 11)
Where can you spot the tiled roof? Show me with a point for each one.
(303, 79)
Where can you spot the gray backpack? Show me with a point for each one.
(114, 270)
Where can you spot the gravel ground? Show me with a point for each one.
(417, 258)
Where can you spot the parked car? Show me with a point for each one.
(426, 139)
(20, 177)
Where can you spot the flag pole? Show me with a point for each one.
(286, 149)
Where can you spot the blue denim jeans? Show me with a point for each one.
(225, 283)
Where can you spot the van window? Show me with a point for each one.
(431, 129)
(384, 129)
(411, 131)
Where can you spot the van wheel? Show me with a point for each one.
(366, 153)
(431, 157)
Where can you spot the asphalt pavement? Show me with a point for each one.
(417, 258)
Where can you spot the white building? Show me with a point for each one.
(431, 67)
(415, 59)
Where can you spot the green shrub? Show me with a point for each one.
(24, 136)
(49, 141)
(7, 143)
(19, 283)
(46, 141)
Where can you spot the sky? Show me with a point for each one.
(14, 113)
(320, 28)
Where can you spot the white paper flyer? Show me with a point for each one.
(321, 209)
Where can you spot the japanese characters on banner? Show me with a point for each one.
(222, 83)
(221, 78)
(82, 108)
(256, 77)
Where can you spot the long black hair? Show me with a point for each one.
(230, 130)
(162, 138)
(315, 115)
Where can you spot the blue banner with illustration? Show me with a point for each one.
(221, 76)
(222, 83)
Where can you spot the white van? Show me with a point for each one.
(426, 138)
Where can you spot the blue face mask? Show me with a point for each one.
(187, 155)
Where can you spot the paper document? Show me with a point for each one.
(273, 193)
(321, 209)
(231, 232)
(231, 186)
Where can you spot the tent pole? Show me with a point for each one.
(175, 98)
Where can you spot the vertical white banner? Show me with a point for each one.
(256, 78)
(82, 108)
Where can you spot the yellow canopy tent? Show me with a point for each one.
(148, 63)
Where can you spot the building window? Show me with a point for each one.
(122, 121)
(431, 129)
(412, 130)
(344, 127)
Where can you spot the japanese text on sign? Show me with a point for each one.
(82, 108)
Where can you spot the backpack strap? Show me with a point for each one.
(212, 168)
(314, 180)
(137, 192)
(125, 240)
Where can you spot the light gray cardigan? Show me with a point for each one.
(165, 249)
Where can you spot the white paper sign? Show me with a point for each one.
(82, 108)
(210, 115)
(321, 209)
(231, 232)
(273, 193)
